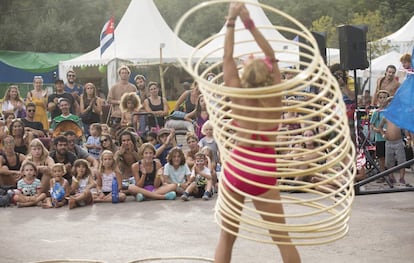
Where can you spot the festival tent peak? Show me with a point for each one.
(141, 37)
(402, 40)
(277, 40)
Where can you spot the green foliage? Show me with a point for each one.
(74, 25)
(325, 24)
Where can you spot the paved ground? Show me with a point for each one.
(381, 230)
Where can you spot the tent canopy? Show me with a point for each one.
(403, 39)
(214, 48)
(33, 62)
(140, 37)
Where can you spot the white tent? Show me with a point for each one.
(142, 36)
(378, 66)
(280, 44)
(402, 40)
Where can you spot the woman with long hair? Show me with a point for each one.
(13, 103)
(107, 143)
(39, 155)
(21, 137)
(90, 107)
(39, 96)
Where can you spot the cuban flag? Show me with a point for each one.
(107, 34)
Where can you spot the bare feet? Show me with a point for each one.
(25, 204)
(72, 203)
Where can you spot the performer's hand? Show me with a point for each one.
(234, 10)
(244, 13)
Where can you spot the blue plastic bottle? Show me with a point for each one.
(115, 190)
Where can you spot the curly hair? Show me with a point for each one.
(133, 97)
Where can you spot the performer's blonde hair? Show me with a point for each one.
(256, 74)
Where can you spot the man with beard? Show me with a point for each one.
(80, 152)
(387, 82)
(143, 94)
(126, 156)
(61, 154)
(76, 90)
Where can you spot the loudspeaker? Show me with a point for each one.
(320, 38)
(353, 47)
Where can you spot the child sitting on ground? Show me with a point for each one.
(29, 192)
(82, 184)
(176, 170)
(59, 187)
(200, 180)
(212, 165)
(107, 171)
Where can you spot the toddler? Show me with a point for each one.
(28, 191)
(200, 180)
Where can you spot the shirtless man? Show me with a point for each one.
(394, 146)
(116, 92)
(387, 82)
(125, 157)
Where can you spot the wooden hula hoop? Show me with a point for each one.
(320, 214)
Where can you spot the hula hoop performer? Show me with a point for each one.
(256, 73)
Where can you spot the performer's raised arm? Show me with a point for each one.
(261, 42)
(231, 75)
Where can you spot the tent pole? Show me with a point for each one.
(162, 45)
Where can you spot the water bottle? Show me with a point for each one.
(115, 190)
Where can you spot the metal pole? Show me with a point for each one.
(162, 45)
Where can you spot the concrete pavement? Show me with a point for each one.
(381, 230)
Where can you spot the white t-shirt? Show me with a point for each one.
(177, 176)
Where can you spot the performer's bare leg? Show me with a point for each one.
(226, 240)
(289, 253)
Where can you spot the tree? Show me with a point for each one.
(325, 24)
(74, 25)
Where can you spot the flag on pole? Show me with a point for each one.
(107, 34)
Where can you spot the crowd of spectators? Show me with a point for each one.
(59, 149)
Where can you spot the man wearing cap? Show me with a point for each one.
(71, 87)
(52, 101)
(166, 138)
(116, 92)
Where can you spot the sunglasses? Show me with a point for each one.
(71, 75)
(31, 110)
(103, 140)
